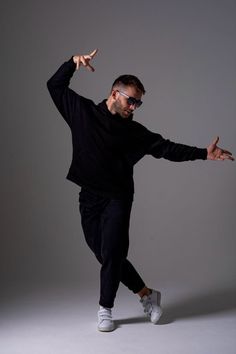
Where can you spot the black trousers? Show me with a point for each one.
(105, 224)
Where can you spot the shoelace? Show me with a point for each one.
(147, 304)
(105, 314)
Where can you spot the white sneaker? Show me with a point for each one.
(151, 305)
(105, 322)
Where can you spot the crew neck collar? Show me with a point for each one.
(103, 106)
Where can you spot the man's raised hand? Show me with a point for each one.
(84, 60)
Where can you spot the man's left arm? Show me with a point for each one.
(164, 148)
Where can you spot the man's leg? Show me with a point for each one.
(149, 298)
(91, 209)
(115, 243)
(116, 267)
(131, 279)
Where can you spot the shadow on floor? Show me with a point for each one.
(132, 320)
(200, 305)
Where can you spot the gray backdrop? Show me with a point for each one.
(183, 219)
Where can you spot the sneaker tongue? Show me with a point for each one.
(106, 308)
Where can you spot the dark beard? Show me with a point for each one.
(118, 109)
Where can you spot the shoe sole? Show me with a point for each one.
(106, 329)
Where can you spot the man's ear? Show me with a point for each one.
(114, 94)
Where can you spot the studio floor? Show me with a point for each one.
(64, 322)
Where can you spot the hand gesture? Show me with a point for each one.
(216, 153)
(84, 60)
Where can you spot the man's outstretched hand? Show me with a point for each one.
(216, 153)
(84, 60)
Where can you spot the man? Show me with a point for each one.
(107, 143)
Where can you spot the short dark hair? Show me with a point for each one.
(129, 80)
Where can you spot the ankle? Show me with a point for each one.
(145, 291)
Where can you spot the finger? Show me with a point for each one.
(83, 60)
(77, 63)
(223, 157)
(228, 157)
(93, 53)
(227, 152)
(86, 64)
(90, 67)
(215, 142)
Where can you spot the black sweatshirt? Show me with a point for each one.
(105, 145)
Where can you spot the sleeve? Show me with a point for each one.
(159, 147)
(64, 98)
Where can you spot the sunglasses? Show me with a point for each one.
(131, 100)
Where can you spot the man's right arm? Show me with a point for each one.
(58, 86)
(64, 98)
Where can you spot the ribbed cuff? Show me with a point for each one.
(202, 154)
